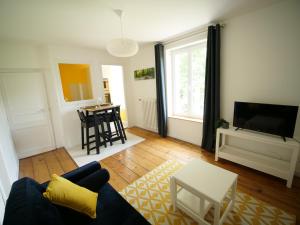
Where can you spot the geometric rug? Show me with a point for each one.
(81, 158)
(150, 195)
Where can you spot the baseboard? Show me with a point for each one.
(22, 155)
(145, 128)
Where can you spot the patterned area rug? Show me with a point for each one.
(150, 195)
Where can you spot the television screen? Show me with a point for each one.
(273, 119)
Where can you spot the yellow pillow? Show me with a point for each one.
(65, 193)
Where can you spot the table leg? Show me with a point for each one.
(233, 193)
(173, 192)
(201, 207)
(217, 209)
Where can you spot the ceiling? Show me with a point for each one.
(93, 23)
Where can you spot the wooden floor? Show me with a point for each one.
(127, 166)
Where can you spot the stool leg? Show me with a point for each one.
(116, 128)
(120, 131)
(87, 140)
(123, 130)
(108, 129)
(99, 140)
(103, 133)
(82, 137)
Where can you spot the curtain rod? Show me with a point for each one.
(187, 35)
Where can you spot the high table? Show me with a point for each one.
(103, 109)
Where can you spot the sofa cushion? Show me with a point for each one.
(27, 206)
(65, 193)
(93, 182)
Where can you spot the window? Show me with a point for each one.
(186, 80)
(75, 81)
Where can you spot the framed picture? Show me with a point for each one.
(144, 74)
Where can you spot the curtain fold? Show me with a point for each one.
(162, 115)
(212, 88)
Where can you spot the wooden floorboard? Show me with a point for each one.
(132, 163)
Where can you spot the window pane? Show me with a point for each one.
(181, 83)
(187, 67)
(198, 58)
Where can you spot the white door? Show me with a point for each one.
(2, 204)
(27, 110)
(2, 208)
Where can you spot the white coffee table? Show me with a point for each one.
(202, 186)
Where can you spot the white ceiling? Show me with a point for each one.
(93, 23)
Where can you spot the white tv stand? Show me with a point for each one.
(284, 169)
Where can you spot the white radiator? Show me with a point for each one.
(149, 114)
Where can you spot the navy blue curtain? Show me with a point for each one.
(161, 94)
(212, 88)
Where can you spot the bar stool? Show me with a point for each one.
(119, 120)
(116, 119)
(110, 117)
(88, 122)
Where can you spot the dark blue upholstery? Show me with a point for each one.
(27, 206)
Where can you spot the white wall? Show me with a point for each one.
(68, 123)
(138, 89)
(2, 207)
(259, 63)
(260, 58)
(186, 130)
(20, 56)
(9, 164)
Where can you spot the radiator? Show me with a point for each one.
(149, 114)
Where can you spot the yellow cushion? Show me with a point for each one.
(65, 193)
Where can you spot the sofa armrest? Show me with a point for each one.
(83, 171)
(95, 181)
(79, 173)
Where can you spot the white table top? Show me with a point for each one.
(208, 179)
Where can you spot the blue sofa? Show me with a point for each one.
(27, 206)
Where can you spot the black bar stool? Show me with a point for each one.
(111, 136)
(88, 122)
(116, 119)
(119, 120)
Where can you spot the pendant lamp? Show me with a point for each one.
(122, 47)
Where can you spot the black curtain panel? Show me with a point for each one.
(212, 88)
(161, 94)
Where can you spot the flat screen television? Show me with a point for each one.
(273, 119)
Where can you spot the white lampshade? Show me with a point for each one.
(122, 47)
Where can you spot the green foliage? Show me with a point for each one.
(144, 74)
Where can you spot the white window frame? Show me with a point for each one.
(171, 82)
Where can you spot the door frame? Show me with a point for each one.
(124, 89)
(26, 71)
